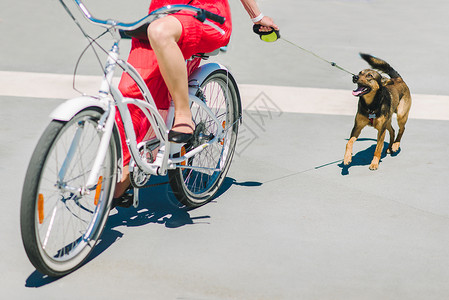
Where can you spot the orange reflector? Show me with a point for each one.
(224, 127)
(98, 190)
(183, 152)
(40, 208)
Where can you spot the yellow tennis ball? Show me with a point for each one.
(271, 37)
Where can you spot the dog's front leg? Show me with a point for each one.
(348, 153)
(359, 124)
(378, 152)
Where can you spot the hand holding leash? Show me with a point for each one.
(267, 35)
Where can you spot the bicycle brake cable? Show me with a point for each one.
(274, 35)
(73, 18)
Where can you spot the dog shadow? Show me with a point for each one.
(158, 205)
(364, 157)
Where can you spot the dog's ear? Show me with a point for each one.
(387, 81)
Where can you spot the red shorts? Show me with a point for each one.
(196, 38)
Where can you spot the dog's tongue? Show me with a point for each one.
(359, 91)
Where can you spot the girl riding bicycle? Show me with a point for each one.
(161, 61)
(68, 188)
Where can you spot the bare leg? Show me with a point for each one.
(164, 35)
(124, 183)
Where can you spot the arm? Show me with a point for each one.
(256, 15)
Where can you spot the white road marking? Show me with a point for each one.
(285, 99)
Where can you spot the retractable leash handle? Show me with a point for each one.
(267, 36)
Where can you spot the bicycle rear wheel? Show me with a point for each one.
(201, 178)
(60, 220)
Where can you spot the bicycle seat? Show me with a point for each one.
(139, 33)
(213, 53)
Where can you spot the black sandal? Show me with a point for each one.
(125, 200)
(180, 137)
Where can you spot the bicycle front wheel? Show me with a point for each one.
(60, 219)
(201, 178)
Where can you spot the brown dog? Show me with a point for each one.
(379, 98)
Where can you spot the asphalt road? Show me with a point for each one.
(290, 221)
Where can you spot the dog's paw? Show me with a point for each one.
(374, 163)
(348, 159)
(395, 147)
(374, 166)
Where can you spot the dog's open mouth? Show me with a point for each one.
(361, 90)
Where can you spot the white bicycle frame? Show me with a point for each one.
(109, 97)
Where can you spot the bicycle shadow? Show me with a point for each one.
(157, 205)
(228, 182)
(364, 157)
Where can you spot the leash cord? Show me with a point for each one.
(333, 64)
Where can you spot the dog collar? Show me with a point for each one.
(371, 117)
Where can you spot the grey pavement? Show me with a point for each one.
(290, 221)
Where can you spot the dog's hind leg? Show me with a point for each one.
(397, 142)
(402, 114)
(391, 132)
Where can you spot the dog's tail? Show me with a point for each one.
(380, 64)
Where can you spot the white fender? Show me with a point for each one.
(200, 74)
(69, 108)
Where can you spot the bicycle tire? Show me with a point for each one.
(193, 187)
(60, 228)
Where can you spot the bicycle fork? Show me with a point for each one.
(105, 124)
(109, 115)
(103, 147)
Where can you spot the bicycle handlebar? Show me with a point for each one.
(201, 15)
(211, 16)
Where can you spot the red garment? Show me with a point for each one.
(195, 38)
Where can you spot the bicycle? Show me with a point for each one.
(70, 181)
